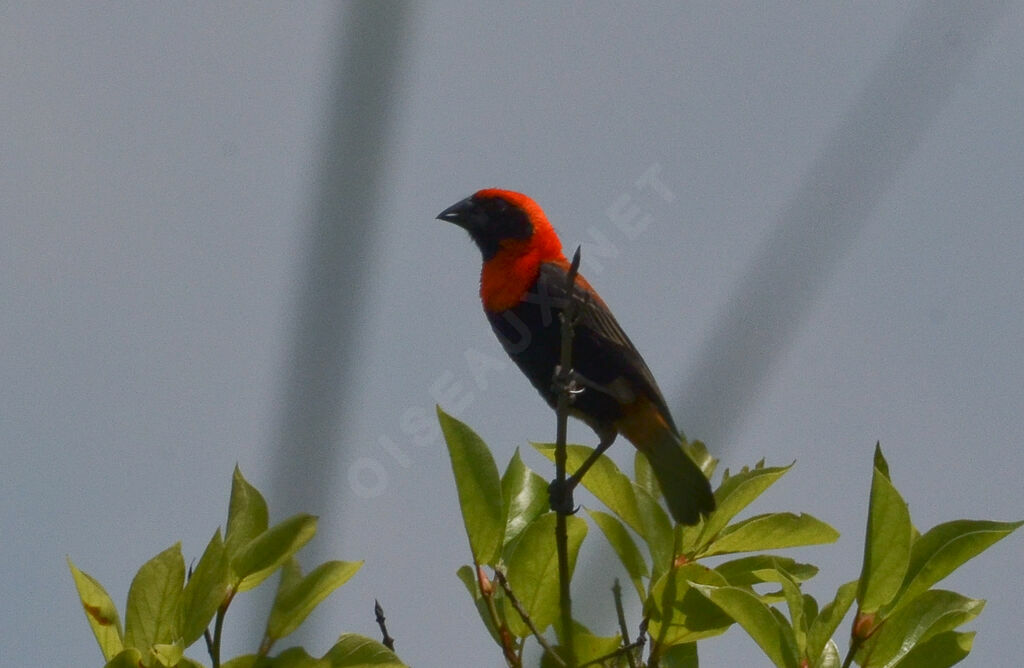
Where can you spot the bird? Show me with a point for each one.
(524, 289)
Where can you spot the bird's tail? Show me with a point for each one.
(684, 486)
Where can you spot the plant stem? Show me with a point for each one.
(218, 626)
(568, 316)
(623, 629)
(508, 648)
(503, 581)
(378, 613)
(848, 661)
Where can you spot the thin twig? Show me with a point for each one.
(623, 629)
(503, 581)
(508, 644)
(854, 646)
(206, 632)
(641, 637)
(568, 317)
(209, 641)
(218, 628)
(378, 612)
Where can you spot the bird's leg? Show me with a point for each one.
(574, 479)
(560, 497)
(563, 382)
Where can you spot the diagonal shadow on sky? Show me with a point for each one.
(904, 94)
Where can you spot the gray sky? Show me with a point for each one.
(161, 173)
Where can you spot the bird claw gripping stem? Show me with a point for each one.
(568, 381)
(575, 383)
(560, 496)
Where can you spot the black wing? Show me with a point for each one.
(603, 353)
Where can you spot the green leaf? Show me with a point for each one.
(879, 461)
(810, 611)
(756, 569)
(768, 629)
(681, 656)
(291, 575)
(294, 657)
(798, 607)
(532, 570)
(469, 578)
(698, 452)
(356, 651)
(128, 658)
(168, 654)
(479, 487)
(829, 657)
(247, 515)
(945, 547)
(680, 615)
(824, 625)
(186, 662)
(525, 497)
(154, 601)
(933, 612)
(736, 493)
(604, 480)
(205, 590)
(100, 611)
(245, 661)
(802, 608)
(656, 530)
(643, 474)
(296, 598)
(944, 650)
(887, 546)
(265, 553)
(589, 647)
(771, 532)
(625, 548)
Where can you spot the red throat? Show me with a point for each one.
(508, 276)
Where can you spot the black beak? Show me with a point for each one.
(461, 213)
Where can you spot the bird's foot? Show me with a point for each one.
(560, 497)
(567, 381)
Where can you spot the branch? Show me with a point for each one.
(564, 387)
(218, 628)
(500, 577)
(628, 649)
(378, 612)
(508, 643)
(623, 629)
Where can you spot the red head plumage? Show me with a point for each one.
(515, 237)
